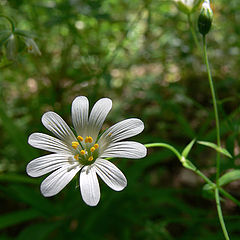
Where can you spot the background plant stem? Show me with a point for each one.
(219, 210)
(193, 32)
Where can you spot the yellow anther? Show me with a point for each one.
(88, 139)
(76, 157)
(110, 134)
(80, 138)
(82, 152)
(92, 149)
(90, 158)
(75, 145)
(96, 146)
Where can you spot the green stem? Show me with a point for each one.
(10, 21)
(197, 171)
(166, 146)
(214, 106)
(219, 209)
(220, 215)
(193, 32)
(204, 177)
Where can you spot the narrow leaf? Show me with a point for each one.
(188, 148)
(13, 218)
(17, 136)
(229, 177)
(17, 178)
(43, 230)
(214, 146)
(188, 164)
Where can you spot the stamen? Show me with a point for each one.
(75, 145)
(110, 134)
(82, 152)
(80, 138)
(90, 158)
(76, 157)
(96, 146)
(92, 149)
(88, 139)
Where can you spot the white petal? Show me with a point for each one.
(54, 123)
(80, 108)
(89, 186)
(127, 149)
(48, 163)
(98, 114)
(48, 143)
(122, 130)
(56, 181)
(110, 174)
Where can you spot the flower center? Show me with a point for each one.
(86, 151)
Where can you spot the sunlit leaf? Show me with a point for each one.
(189, 165)
(188, 148)
(217, 148)
(229, 177)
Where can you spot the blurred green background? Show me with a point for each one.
(141, 54)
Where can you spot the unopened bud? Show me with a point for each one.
(205, 18)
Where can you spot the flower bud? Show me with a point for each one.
(205, 18)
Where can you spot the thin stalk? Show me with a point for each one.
(220, 215)
(214, 106)
(204, 177)
(166, 146)
(10, 21)
(219, 209)
(193, 32)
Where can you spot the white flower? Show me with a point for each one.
(187, 6)
(86, 151)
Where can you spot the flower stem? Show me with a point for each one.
(10, 21)
(197, 171)
(214, 106)
(193, 32)
(219, 210)
(171, 148)
(220, 215)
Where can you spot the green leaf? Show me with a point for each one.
(217, 148)
(188, 148)
(17, 178)
(188, 164)
(4, 36)
(24, 33)
(229, 177)
(33, 198)
(16, 135)
(13, 218)
(43, 230)
(207, 187)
